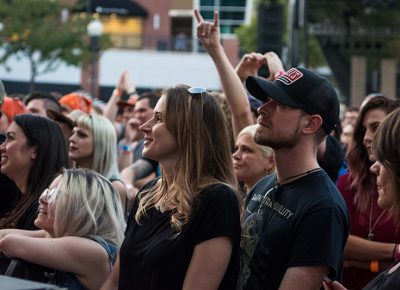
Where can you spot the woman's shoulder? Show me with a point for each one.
(218, 193)
(343, 182)
(147, 187)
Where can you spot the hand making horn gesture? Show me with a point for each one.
(208, 32)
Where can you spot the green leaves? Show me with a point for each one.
(46, 32)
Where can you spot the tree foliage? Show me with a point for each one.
(247, 35)
(45, 32)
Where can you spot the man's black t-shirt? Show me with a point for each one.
(152, 259)
(301, 223)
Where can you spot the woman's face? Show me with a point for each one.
(47, 201)
(249, 163)
(17, 156)
(81, 144)
(159, 144)
(372, 119)
(386, 185)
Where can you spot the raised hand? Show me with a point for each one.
(125, 83)
(208, 32)
(274, 64)
(132, 131)
(249, 65)
(121, 82)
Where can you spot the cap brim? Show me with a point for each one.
(263, 89)
(59, 117)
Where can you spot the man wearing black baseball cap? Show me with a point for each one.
(296, 222)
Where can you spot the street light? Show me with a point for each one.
(94, 30)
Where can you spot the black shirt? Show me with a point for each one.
(301, 223)
(150, 258)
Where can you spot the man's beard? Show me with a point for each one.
(277, 142)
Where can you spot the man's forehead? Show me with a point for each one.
(36, 102)
(142, 103)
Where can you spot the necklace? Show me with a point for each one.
(371, 227)
(268, 194)
(297, 175)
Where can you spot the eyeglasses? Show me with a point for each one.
(196, 91)
(50, 194)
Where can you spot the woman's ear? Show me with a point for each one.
(33, 153)
(270, 164)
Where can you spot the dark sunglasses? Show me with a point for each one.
(196, 91)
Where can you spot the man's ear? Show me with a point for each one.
(314, 122)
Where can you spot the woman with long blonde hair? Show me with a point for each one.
(184, 228)
(81, 228)
(93, 145)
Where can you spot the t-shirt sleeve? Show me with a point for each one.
(319, 239)
(217, 215)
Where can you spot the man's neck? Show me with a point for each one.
(294, 161)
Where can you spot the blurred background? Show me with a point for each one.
(67, 45)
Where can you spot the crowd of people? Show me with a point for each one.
(261, 186)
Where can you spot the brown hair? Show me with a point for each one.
(387, 151)
(362, 180)
(198, 126)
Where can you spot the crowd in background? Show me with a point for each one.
(267, 184)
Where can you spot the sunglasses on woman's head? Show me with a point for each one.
(194, 91)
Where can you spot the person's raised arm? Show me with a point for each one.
(249, 65)
(209, 35)
(111, 108)
(125, 85)
(132, 136)
(274, 65)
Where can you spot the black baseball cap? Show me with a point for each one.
(303, 89)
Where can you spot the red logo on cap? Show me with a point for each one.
(290, 76)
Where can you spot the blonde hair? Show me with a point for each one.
(222, 100)
(198, 125)
(88, 205)
(251, 130)
(104, 159)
